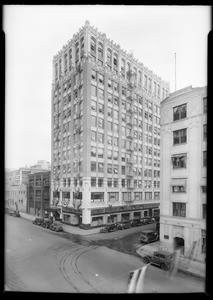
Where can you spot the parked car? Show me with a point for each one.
(160, 258)
(151, 220)
(108, 228)
(124, 225)
(38, 221)
(148, 236)
(136, 222)
(46, 223)
(16, 214)
(144, 221)
(56, 226)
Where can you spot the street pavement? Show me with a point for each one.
(37, 259)
(194, 268)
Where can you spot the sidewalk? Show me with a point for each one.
(67, 228)
(194, 268)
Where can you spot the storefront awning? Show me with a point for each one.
(203, 182)
(53, 209)
(178, 182)
(178, 155)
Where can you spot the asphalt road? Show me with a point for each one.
(39, 260)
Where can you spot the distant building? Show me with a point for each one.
(183, 172)
(16, 194)
(39, 193)
(42, 164)
(16, 183)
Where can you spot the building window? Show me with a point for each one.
(179, 136)
(138, 196)
(93, 90)
(109, 168)
(205, 131)
(93, 166)
(204, 158)
(156, 195)
(97, 197)
(113, 197)
(100, 182)
(93, 181)
(178, 189)
(93, 46)
(93, 136)
(179, 112)
(148, 195)
(109, 182)
(204, 189)
(93, 74)
(179, 209)
(179, 161)
(203, 235)
(100, 167)
(100, 152)
(205, 105)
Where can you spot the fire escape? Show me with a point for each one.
(77, 131)
(130, 110)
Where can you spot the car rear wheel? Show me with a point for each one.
(164, 267)
(145, 260)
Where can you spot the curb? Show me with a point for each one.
(199, 276)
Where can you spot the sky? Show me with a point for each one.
(35, 33)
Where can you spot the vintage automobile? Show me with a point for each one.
(46, 223)
(56, 226)
(124, 225)
(136, 222)
(108, 228)
(16, 214)
(38, 221)
(148, 236)
(160, 258)
(145, 221)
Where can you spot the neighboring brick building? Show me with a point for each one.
(183, 171)
(39, 193)
(105, 132)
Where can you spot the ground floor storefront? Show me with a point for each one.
(96, 217)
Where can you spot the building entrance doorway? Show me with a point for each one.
(179, 244)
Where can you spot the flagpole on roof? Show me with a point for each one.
(175, 71)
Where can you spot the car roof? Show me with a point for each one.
(166, 253)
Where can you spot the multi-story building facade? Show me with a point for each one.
(105, 132)
(183, 172)
(16, 196)
(39, 193)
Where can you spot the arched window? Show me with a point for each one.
(93, 45)
(100, 51)
(82, 46)
(109, 56)
(77, 51)
(122, 65)
(115, 61)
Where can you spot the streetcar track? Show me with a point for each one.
(71, 258)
